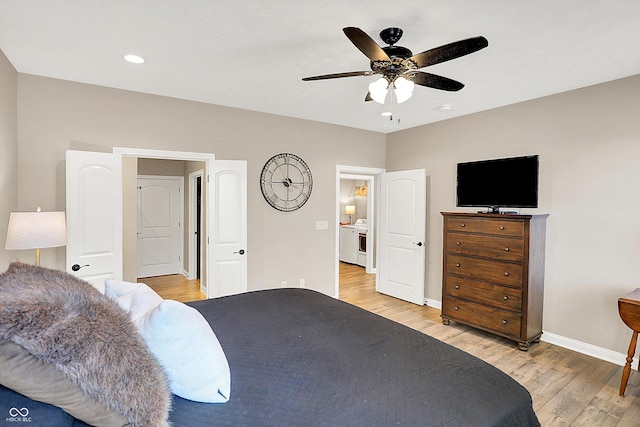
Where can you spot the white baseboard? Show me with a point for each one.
(570, 344)
(588, 349)
(433, 303)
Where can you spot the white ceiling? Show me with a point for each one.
(252, 54)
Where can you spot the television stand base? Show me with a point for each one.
(496, 210)
(499, 212)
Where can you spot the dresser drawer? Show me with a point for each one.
(486, 270)
(502, 248)
(468, 225)
(504, 322)
(484, 293)
(503, 227)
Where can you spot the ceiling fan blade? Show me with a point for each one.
(449, 51)
(339, 75)
(366, 44)
(436, 82)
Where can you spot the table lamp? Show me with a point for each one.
(350, 210)
(36, 230)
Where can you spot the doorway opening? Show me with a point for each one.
(198, 226)
(195, 224)
(200, 162)
(364, 177)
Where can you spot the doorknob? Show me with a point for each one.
(76, 267)
(417, 243)
(241, 252)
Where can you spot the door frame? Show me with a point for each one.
(361, 173)
(193, 207)
(207, 158)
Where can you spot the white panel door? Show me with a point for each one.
(160, 238)
(401, 263)
(94, 216)
(227, 236)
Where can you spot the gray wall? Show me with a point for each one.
(56, 115)
(587, 141)
(8, 151)
(589, 146)
(347, 197)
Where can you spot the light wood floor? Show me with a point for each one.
(175, 287)
(568, 388)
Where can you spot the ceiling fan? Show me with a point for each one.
(399, 67)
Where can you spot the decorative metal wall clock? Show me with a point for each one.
(286, 182)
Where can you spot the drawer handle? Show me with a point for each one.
(456, 307)
(506, 273)
(457, 243)
(457, 264)
(462, 225)
(457, 286)
(505, 297)
(504, 322)
(502, 227)
(506, 249)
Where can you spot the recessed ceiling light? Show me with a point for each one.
(445, 107)
(134, 59)
(386, 114)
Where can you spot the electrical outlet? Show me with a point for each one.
(283, 284)
(302, 283)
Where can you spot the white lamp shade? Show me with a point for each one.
(378, 90)
(350, 210)
(36, 230)
(403, 89)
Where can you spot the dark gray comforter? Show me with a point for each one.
(300, 358)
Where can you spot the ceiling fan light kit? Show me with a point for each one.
(378, 90)
(403, 89)
(399, 67)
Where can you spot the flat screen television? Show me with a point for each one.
(499, 183)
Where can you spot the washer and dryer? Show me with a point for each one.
(353, 242)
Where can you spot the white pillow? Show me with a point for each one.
(114, 288)
(124, 293)
(180, 338)
(188, 349)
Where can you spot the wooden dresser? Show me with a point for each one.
(493, 273)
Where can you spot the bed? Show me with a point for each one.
(300, 358)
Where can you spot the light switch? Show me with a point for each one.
(322, 225)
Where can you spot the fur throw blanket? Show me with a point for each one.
(65, 322)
